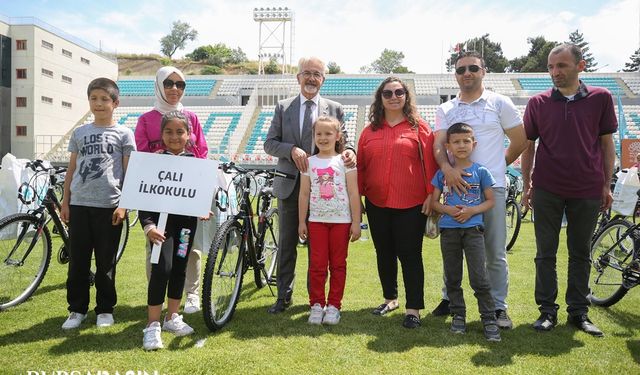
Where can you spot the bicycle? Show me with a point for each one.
(513, 212)
(615, 257)
(240, 244)
(25, 239)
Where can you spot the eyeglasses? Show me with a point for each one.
(168, 84)
(307, 74)
(472, 68)
(387, 94)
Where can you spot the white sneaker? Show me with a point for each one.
(331, 316)
(104, 320)
(192, 305)
(152, 340)
(74, 320)
(176, 326)
(317, 312)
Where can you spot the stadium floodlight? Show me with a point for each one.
(272, 14)
(272, 37)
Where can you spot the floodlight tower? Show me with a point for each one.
(272, 37)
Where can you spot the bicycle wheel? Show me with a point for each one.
(133, 217)
(513, 221)
(611, 252)
(266, 274)
(223, 275)
(25, 253)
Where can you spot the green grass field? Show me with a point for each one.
(256, 342)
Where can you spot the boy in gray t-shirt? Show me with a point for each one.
(99, 156)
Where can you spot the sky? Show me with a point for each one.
(352, 33)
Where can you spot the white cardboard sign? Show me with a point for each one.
(165, 183)
(169, 184)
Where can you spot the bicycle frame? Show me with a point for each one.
(253, 235)
(51, 205)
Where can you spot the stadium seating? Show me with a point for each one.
(537, 84)
(235, 132)
(145, 87)
(633, 83)
(350, 86)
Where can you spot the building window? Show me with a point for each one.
(66, 105)
(47, 72)
(21, 45)
(21, 101)
(21, 131)
(21, 73)
(66, 79)
(46, 99)
(86, 61)
(47, 45)
(66, 53)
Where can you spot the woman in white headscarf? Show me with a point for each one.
(169, 89)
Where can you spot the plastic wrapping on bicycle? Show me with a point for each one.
(269, 173)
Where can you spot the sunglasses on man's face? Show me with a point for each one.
(168, 84)
(472, 68)
(387, 94)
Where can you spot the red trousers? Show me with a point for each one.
(329, 243)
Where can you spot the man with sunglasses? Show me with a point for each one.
(492, 116)
(573, 167)
(290, 140)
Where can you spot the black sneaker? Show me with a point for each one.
(491, 331)
(458, 324)
(583, 323)
(503, 320)
(442, 309)
(545, 322)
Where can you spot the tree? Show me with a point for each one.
(201, 53)
(577, 38)
(536, 60)
(491, 52)
(390, 61)
(218, 55)
(333, 68)
(180, 33)
(634, 64)
(272, 67)
(238, 56)
(366, 69)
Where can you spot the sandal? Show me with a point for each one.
(411, 321)
(384, 309)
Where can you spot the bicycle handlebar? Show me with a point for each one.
(38, 166)
(270, 173)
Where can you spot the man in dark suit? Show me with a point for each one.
(290, 140)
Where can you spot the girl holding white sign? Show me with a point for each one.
(168, 275)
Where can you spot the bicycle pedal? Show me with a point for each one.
(63, 255)
(631, 275)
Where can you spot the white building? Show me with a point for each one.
(43, 87)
